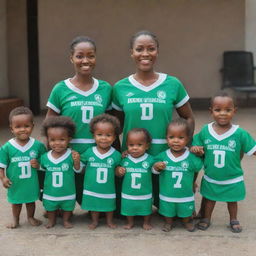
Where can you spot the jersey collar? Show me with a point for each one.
(223, 136)
(102, 156)
(84, 93)
(161, 78)
(179, 158)
(137, 160)
(22, 148)
(60, 159)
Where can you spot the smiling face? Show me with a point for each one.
(137, 144)
(223, 110)
(22, 127)
(104, 135)
(144, 52)
(58, 139)
(177, 138)
(84, 58)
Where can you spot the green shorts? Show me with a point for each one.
(66, 205)
(182, 210)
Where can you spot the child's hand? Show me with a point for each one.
(120, 171)
(76, 159)
(75, 156)
(197, 150)
(6, 182)
(159, 166)
(34, 163)
(125, 154)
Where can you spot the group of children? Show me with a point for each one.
(218, 147)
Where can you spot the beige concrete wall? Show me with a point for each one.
(193, 35)
(3, 51)
(250, 26)
(17, 49)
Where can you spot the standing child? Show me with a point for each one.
(222, 144)
(59, 164)
(16, 173)
(178, 170)
(136, 197)
(99, 194)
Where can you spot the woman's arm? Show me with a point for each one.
(186, 112)
(51, 112)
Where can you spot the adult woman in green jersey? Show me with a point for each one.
(147, 98)
(81, 97)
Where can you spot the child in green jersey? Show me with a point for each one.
(222, 144)
(16, 173)
(178, 170)
(99, 194)
(59, 163)
(136, 196)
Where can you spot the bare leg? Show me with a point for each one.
(109, 217)
(16, 209)
(31, 207)
(201, 212)
(130, 222)
(188, 224)
(232, 209)
(66, 217)
(147, 222)
(205, 222)
(95, 220)
(51, 219)
(168, 224)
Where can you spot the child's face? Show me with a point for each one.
(177, 138)
(223, 110)
(144, 52)
(22, 127)
(58, 139)
(104, 135)
(137, 144)
(84, 58)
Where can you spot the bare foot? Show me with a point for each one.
(128, 226)
(93, 225)
(112, 225)
(12, 225)
(147, 226)
(34, 222)
(67, 224)
(50, 225)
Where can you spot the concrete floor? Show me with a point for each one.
(217, 240)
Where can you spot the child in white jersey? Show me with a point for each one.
(136, 197)
(16, 173)
(178, 170)
(59, 165)
(222, 144)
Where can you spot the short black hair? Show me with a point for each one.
(59, 122)
(143, 33)
(81, 39)
(222, 94)
(105, 118)
(180, 122)
(20, 111)
(146, 133)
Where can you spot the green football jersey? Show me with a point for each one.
(16, 160)
(59, 182)
(177, 179)
(99, 180)
(81, 106)
(137, 181)
(222, 153)
(149, 107)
